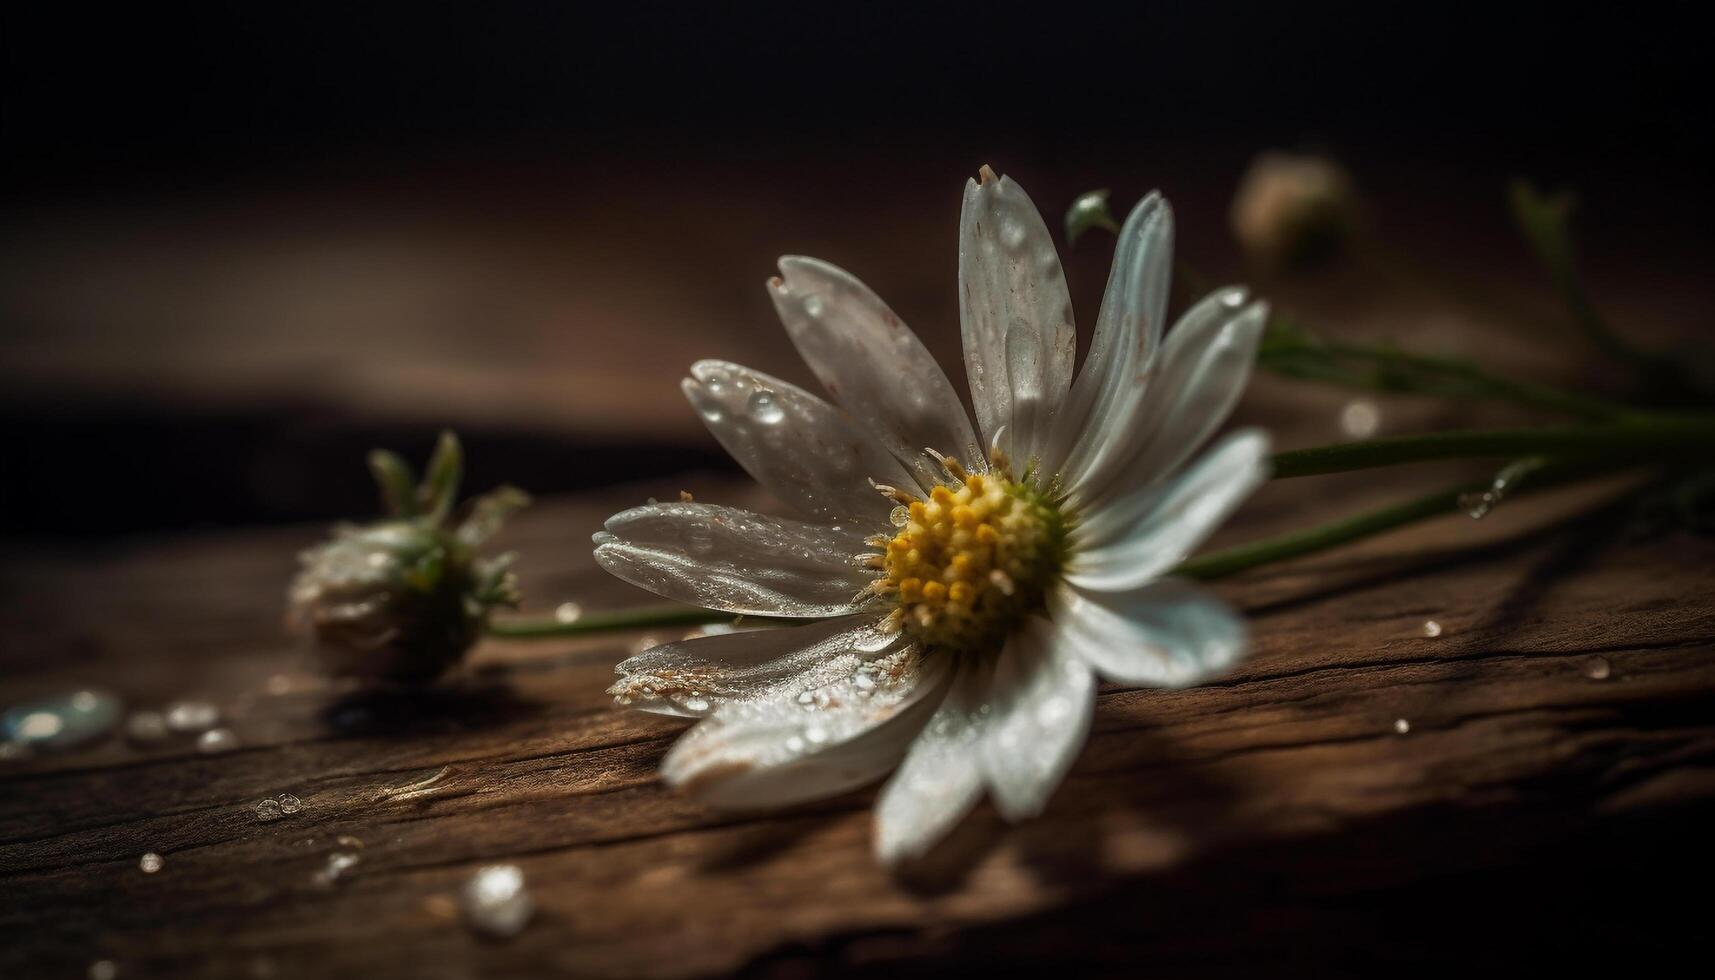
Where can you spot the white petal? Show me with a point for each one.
(1042, 699)
(873, 365)
(942, 775)
(824, 741)
(1127, 339)
(1205, 364)
(1140, 537)
(1015, 315)
(693, 677)
(1168, 633)
(804, 450)
(734, 560)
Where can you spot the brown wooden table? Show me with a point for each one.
(1549, 802)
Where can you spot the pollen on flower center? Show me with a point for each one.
(971, 561)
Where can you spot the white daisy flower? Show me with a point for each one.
(961, 601)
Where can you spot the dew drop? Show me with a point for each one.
(765, 409)
(1431, 628)
(1401, 726)
(337, 865)
(568, 612)
(192, 716)
(1360, 418)
(1477, 505)
(495, 902)
(289, 804)
(217, 740)
(151, 863)
(1598, 669)
(899, 516)
(268, 811)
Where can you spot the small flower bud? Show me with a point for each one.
(1294, 211)
(403, 599)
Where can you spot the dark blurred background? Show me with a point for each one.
(241, 244)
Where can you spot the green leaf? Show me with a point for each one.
(488, 512)
(440, 488)
(397, 483)
(1090, 210)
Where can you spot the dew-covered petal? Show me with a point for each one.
(734, 560)
(1142, 536)
(1205, 364)
(691, 678)
(1127, 339)
(1168, 633)
(1041, 699)
(1015, 315)
(942, 775)
(873, 365)
(805, 451)
(823, 741)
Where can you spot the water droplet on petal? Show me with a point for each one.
(290, 804)
(151, 863)
(899, 516)
(568, 612)
(268, 811)
(1598, 668)
(1401, 726)
(495, 902)
(1431, 628)
(765, 409)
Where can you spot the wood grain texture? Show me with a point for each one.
(1272, 822)
(1274, 817)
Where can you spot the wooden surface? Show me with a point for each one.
(1275, 812)
(1271, 822)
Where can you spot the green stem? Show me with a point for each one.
(1526, 393)
(1321, 538)
(1654, 437)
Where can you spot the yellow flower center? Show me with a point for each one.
(970, 562)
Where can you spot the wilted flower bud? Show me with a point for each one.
(403, 599)
(1293, 211)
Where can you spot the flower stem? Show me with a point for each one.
(1297, 543)
(1639, 439)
